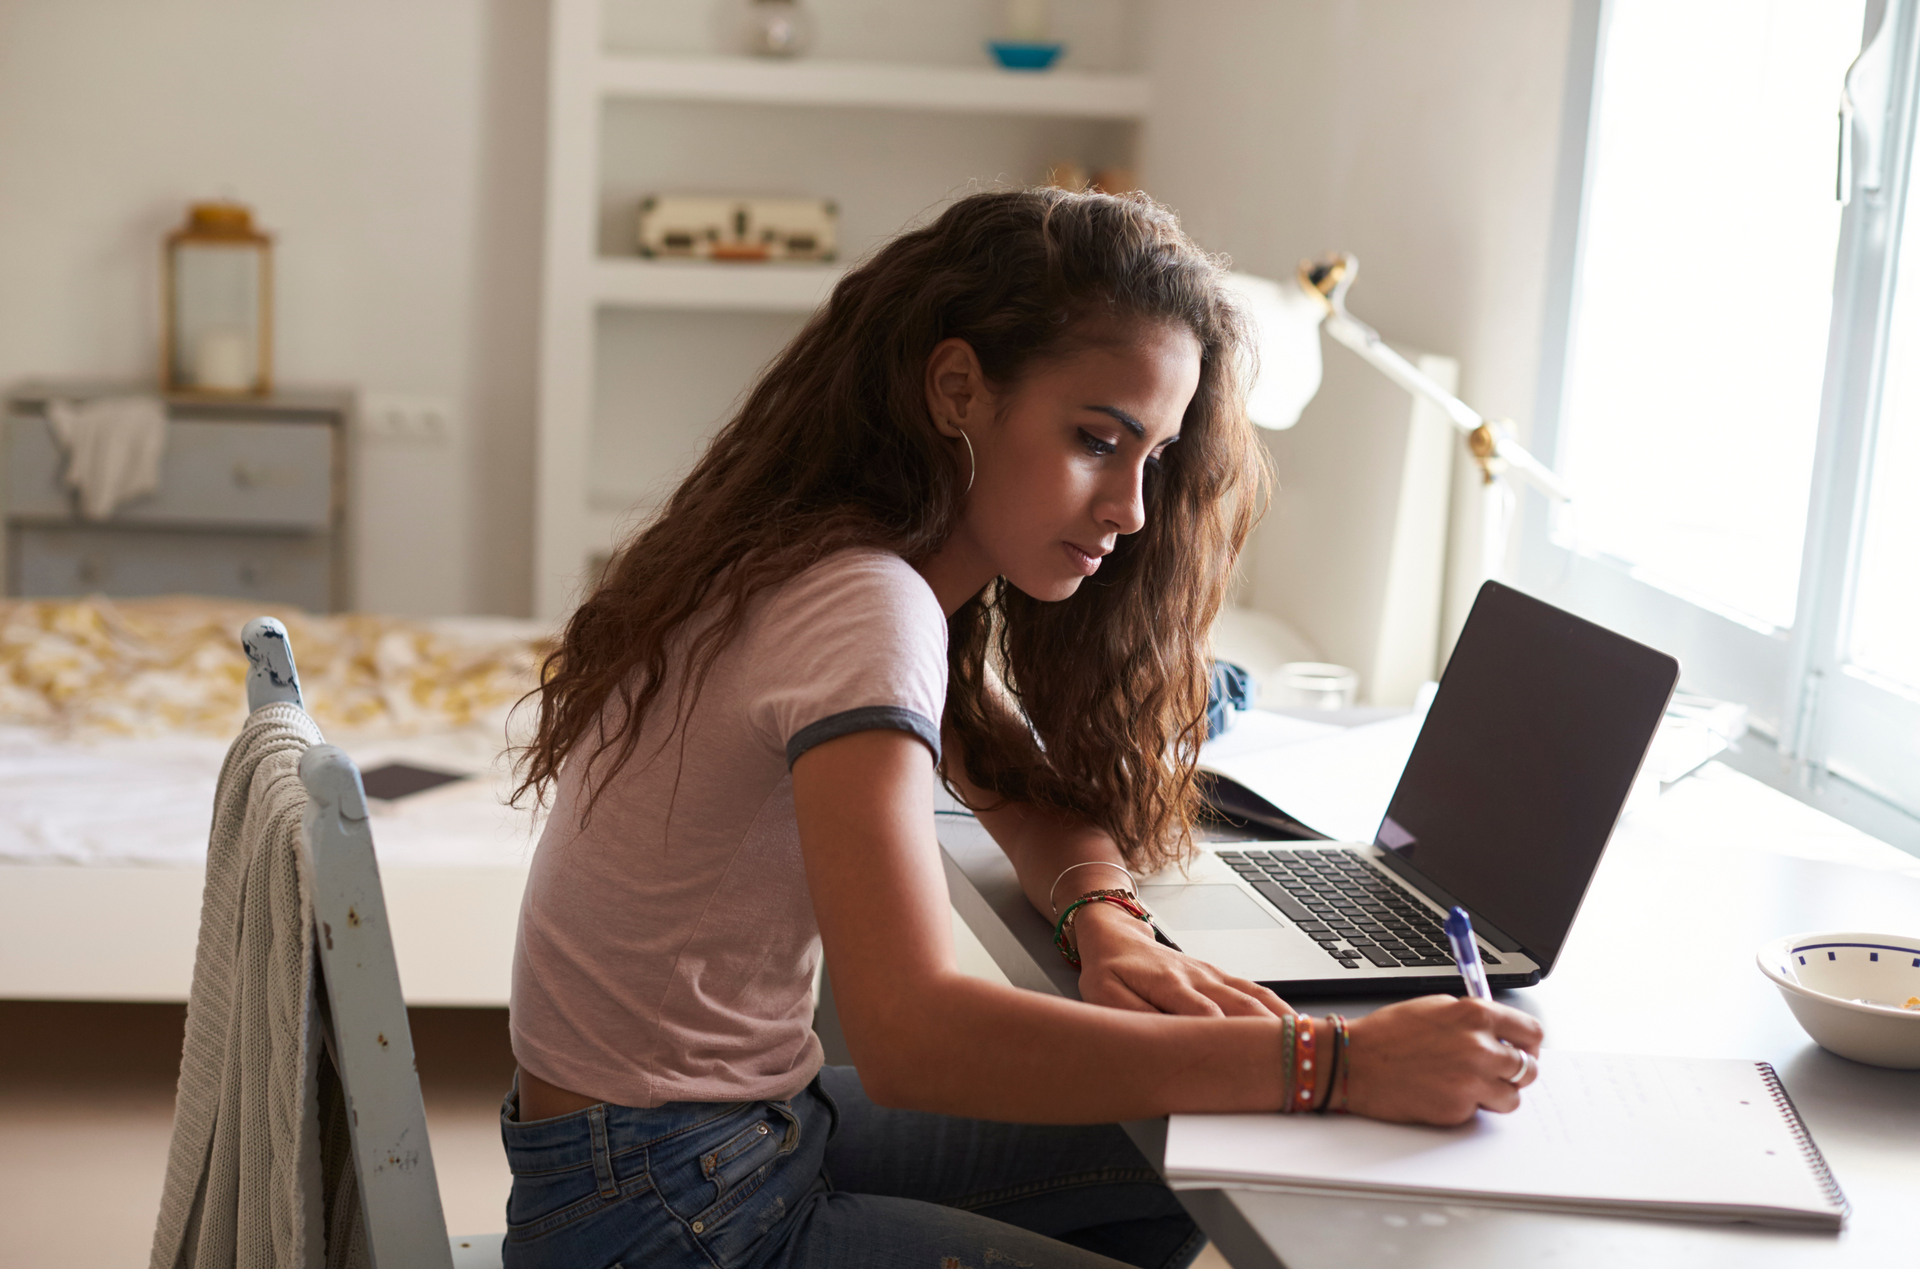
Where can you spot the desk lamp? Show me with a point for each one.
(1287, 319)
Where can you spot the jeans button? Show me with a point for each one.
(699, 1227)
(763, 1130)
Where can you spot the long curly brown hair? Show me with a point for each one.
(834, 447)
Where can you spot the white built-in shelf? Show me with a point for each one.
(979, 90)
(700, 284)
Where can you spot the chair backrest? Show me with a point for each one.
(367, 1016)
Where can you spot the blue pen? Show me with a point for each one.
(1466, 954)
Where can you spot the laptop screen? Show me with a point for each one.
(1524, 761)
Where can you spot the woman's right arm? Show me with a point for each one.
(927, 1037)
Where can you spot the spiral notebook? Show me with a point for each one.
(1694, 1139)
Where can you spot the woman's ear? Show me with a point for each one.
(957, 393)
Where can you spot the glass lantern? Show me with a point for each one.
(217, 333)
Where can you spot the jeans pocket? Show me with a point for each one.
(539, 1204)
(741, 1162)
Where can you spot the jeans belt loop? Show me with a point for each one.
(602, 1156)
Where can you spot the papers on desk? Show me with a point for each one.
(1339, 780)
(1335, 780)
(1710, 1139)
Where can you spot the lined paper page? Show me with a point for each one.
(1643, 1132)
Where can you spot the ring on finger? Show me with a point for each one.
(1521, 1075)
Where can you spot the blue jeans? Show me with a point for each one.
(829, 1179)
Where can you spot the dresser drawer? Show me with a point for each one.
(260, 475)
(54, 560)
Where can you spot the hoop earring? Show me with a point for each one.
(972, 467)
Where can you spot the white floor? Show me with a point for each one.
(86, 1107)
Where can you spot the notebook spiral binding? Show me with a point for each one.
(1808, 1150)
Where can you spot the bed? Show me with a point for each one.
(114, 717)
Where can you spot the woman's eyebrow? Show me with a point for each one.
(1126, 420)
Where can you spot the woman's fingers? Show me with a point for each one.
(1237, 997)
(1513, 1068)
(1438, 1059)
(1502, 1099)
(1171, 982)
(1171, 993)
(1234, 1001)
(1526, 1070)
(1265, 997)
(1113, 993)
(1516, 1028)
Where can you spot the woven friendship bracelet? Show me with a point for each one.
(1289, 1035)
(1063, 930)
(1336, 1099)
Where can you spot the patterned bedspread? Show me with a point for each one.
(114, 716)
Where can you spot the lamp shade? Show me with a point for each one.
(1286, 324)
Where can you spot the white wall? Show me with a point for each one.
(396, 152)
(1420, 136)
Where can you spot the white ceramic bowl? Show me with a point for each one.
(1849, 990)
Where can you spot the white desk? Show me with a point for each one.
(1694, 883)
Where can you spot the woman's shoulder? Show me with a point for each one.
(863, 584)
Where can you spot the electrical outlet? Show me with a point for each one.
(393, 416)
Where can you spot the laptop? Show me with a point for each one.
(1516, 780)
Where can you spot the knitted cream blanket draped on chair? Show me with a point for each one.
(250, 1182)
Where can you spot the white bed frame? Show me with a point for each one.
(127, 933)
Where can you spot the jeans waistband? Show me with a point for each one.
(587, 1137)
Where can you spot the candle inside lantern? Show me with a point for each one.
(221, 361)
(217, 329)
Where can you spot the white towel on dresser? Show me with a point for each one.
(245, 1186)
(113, 447)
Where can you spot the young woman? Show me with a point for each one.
(972, 525)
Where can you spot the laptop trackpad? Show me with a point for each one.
(1204, 907)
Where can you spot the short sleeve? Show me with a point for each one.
(856, 643)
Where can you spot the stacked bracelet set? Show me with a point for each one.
(1125, 900)
(1297, 1071)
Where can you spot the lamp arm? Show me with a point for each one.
(1366, 341)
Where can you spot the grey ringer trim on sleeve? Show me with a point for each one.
(866, 718)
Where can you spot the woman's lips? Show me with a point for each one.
(1086, 561)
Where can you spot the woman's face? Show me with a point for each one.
(1061, 457)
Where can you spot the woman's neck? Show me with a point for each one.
(957, 572)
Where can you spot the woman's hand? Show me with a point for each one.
(1438, 1059)
(1122, 966)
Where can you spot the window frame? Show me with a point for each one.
(1829, 720)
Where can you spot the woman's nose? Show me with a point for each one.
(1124, 508)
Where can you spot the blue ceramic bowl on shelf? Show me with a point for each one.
(1021, 56)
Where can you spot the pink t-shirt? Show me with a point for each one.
(666, 960)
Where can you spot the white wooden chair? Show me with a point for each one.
(367, 1031)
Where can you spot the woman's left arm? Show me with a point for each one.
(1121, 964)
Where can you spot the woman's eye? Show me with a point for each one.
(1095, 446)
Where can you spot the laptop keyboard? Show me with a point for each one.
(1349, 908)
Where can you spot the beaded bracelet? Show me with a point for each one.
(1336, 1099)
(1062, 931)
(1303, 1068)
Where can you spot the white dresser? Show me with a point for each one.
(252, 504)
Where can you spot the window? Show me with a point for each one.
(1732, 379)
